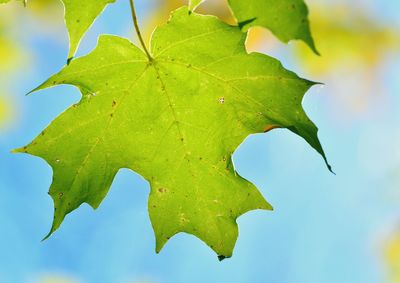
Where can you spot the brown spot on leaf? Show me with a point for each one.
(270, 127)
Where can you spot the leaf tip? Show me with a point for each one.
(46, 237)
(69, 60)
(222, 257)
(16, 150)
(243, 24)
(327, 163)
(158, 249)
(52, 230)
(20, 150)
(160, 244)
(309, 41)
(36, 89)
(30, 92)
(330, 168)
(314, 49)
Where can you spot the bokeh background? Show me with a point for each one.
(325, 228)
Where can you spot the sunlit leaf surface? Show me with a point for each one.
(176, 120)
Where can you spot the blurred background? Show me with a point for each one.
(325, 228)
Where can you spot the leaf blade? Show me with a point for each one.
(175, 121)
(79, 16)
(287, 19)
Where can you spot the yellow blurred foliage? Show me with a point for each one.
(346, 36)
(56, 279)
(5, 112)
(392, 256)
(9, 57)
(9, 52)
(13, 56)
(49, 10)
(36, 6)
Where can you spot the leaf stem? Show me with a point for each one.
(137, 29)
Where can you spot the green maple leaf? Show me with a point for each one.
(175, 120)
(287, 19)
